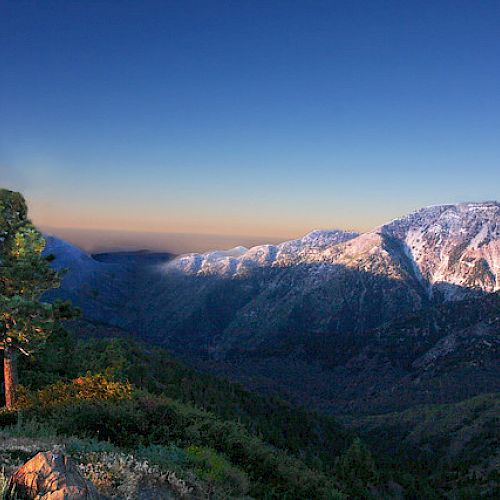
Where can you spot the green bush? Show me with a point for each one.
(89, 387)
(31, 428)
(357, 471)
(77, 446)
(167, 457)
(213, 468)
(4, 482)
(144, 419)
(7, 417)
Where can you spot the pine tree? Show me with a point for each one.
(25, 274)
(356, 469)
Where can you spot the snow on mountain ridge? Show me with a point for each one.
(457, 245)
(225, 263)
(445, 246)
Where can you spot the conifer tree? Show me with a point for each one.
(357, 470)
(25, 274)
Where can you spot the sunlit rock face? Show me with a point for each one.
(453, 245)
(240, 261)
(447, 248)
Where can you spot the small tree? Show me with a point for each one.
(356, 469)
(25, 274)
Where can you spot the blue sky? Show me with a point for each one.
(246, 117)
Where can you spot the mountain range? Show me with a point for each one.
(341, 321)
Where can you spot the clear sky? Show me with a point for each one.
(247, 118)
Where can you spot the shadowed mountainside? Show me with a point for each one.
(317, 318)
(440, 354)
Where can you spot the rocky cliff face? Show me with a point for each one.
(452, 246)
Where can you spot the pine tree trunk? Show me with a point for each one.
(10, 376)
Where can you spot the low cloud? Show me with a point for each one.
(96, 241)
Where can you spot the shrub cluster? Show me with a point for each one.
(222, 454)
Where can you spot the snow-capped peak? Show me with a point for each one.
(241, 260)
(448, 246)
(453, 244)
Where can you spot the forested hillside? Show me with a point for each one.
(440, 354)
(111, 394)
(458, 441)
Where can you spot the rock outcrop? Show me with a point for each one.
(50, 476)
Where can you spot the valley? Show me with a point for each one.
(336, 321)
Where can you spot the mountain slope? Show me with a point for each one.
(452, 245)
(440, 354)
(326, 282)
(276, 316)
(455, 443)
